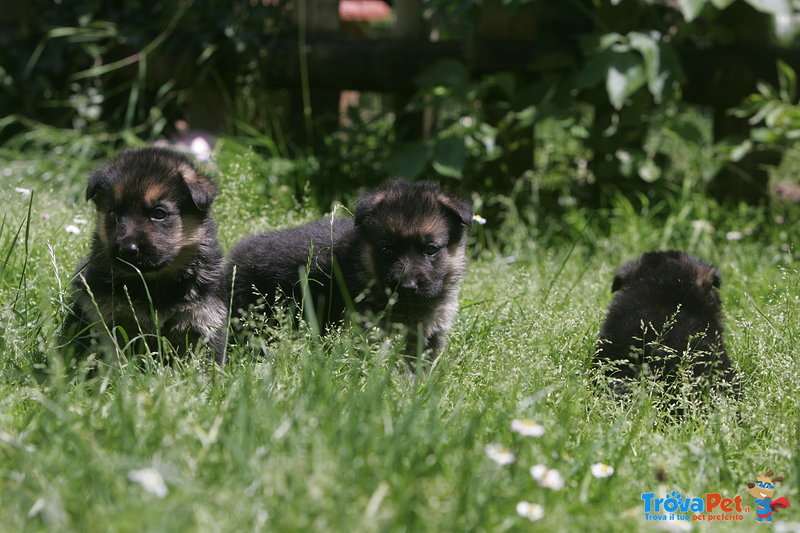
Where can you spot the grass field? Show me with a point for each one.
(309, 434)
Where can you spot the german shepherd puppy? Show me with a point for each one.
(154, 255)
(665, 317)
(403, 253)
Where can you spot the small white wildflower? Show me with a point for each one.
(75, 230)
(602, 470)
(549, 478)
(150, 479)
(478, 219)
(734, 235)
(23, 191)
(79, 220)
(531, 511)
(527, 427)
(500, 454)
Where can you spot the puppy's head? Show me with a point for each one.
(414, 236)
(152, 208)
(673, 271)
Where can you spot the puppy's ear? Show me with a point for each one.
(458, 207)
(202, 189)
(623, 274)
(98, 184)
(366, 204)
(708, 277)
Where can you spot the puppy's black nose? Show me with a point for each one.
(407, 286)
(128, 250)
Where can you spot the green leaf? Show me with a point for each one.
(787, 82)
(449, 156)
(773, 7)
(649, 171)
(648, 47)
(625, 76)
(691, 8)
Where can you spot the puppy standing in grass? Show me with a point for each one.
(155, 265)
(404, 253)
(666, 307)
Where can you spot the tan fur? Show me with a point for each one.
(189, 175)
(153, 194)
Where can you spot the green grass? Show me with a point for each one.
(309, 434)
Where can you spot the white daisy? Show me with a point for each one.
(531, 511)
(602, 470)
(75, 230)
(549, 478)
(500, 454)
(478, 219)
(527, 427)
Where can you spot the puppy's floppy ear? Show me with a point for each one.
(708, 277)
(366, 204)
(458, 207)
(202, 189)
(623, 274)
(98, 184)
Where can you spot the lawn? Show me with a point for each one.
(331, 434)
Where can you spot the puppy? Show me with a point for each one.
(155, 266)
(665, 317)
(406, 245)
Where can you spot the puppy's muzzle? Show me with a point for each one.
(128, 250)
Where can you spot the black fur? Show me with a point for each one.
(665, 304)
(407, 239)
(154, 245)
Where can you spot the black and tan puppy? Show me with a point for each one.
(406, 244)
(666, 318)
(155, 266)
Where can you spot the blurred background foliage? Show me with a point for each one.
(538, 105)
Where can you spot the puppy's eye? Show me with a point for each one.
(159, 213)
(430, 249)
(387, 251)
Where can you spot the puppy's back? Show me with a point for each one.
(665, 304)
(268, 263)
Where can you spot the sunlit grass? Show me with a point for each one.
(309, 434)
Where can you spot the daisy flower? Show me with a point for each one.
(500, 454)
(527, 427)
(549, 478)
(531, 511)
(602, 470)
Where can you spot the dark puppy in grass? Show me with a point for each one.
(402, 254)
(665, 320)
(155, 266)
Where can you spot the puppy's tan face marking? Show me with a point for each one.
(153, 194)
